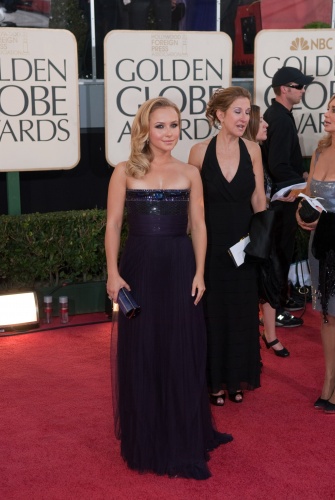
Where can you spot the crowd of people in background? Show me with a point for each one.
(187, 15)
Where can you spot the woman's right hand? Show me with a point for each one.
(309, 226)
(114, 283)
(198, 288)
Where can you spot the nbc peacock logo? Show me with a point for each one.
(299, 43)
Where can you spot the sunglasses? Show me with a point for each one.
(293, 86)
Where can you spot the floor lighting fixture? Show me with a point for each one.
(18, 311)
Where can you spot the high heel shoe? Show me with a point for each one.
(236, 397)
(282, 353)
(320, 404)
(329, 408)
(214, 399)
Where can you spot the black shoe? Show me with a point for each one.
(236, 397)
(282, 353)
(329, 408)
(320, 404)
(216, 399)
(287, 320)
(293, 305)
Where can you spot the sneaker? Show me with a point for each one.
(287, 320)
(293, 305)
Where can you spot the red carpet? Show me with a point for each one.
(56, 432)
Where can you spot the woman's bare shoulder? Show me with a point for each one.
(197, 153)
(119, 173)
(120, 170)
(251, 145)
(120, 167)
(189, 167)
(185, 169)
(200, 146)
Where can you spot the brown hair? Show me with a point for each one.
(327, 140)
(253, 125)
(141, 155)
(222, 99)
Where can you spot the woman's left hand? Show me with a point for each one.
(198, 288)
(305, 225)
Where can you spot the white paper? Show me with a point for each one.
(284, 191)
(314, 202)
(237, 251)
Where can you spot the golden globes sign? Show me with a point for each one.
(186, 67)
(39, 103)
(312, 52)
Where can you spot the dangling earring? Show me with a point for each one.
(219, 126)
(147, 141)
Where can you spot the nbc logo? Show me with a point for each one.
(299, 43)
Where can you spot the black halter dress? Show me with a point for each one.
(231, 297)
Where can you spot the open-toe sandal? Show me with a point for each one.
(217, 400)
(236, 397)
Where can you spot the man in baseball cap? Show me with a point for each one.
(288, 75)
(284, 163)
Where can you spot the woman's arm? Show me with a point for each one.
(198, 233)
(312, 225)
(196, 158)
(258, 199)
(197, 154)
(310, 175)
(115, 208)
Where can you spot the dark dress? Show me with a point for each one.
(231, 297)
(162, 415)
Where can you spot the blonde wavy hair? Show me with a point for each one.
(326, 141)
(221, 100)
(141, 155)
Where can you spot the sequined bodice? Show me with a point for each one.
(157, 211)
(157, 202)
(325, 190)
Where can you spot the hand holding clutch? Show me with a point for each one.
(308, 213)
(127, 303)
(308, 210)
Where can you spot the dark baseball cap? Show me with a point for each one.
(289, 74)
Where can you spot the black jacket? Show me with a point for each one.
(281, 151)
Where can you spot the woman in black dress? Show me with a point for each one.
(232, 176)
(257, 131)
(162, 413)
